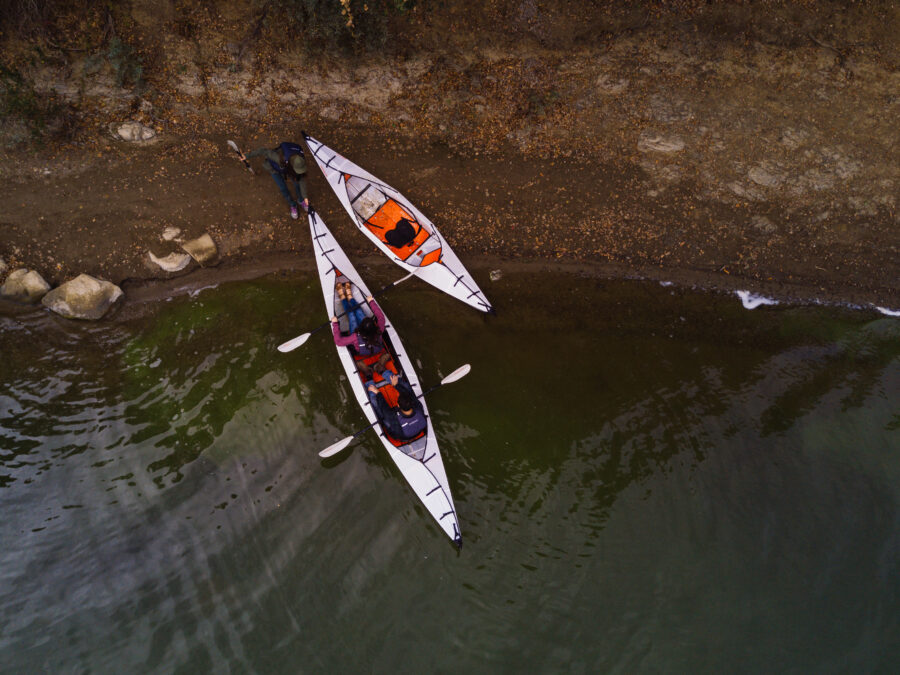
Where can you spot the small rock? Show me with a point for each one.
(170, 233)
(202, 249)
(663, 109)
(174, 262)
(84, 297)
(763, 225)
(744, 191)
(815, 179)
(135, 132)
(793, 138)
(762, 177)
(862, 206)
(330, 112)
(496, 275)
(22, 285)
(653, 142)
(607, 85)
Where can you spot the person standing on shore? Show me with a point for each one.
(287, 163)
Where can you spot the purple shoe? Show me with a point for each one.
(294, 212)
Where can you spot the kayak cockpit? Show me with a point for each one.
(397, 228)
(365, 366)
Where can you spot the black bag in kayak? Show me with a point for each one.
(402, 234)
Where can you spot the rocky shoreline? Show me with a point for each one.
(766, 165)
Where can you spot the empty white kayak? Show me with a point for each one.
(396, 226)
(419, 459)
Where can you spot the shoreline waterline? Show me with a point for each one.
(149, 290)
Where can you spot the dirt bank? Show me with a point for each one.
(743, 161)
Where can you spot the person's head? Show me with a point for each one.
(298, 163)
(405, 402)
(368, 328)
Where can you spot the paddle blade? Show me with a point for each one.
(291, 345)
(233, 146)
(336, 448)
(457, 374)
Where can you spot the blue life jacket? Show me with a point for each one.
(411, 426)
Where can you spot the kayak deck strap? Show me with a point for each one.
(431, 456)
(361, 192)
(449, 513)
(435, 488)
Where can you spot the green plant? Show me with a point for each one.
(19, 101)
(17, 97)
(349, 24)
(125, 62)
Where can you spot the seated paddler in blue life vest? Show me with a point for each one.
(287, 164)
(404, 421)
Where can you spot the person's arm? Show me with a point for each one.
(342, 340)
(401, 385)
(268, 154)
(301, 181)
(377, 313)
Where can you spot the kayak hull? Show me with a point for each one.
(396, 226)
(419, 460)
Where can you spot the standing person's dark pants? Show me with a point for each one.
(283, 187)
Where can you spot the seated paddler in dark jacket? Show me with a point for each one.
(405, 421)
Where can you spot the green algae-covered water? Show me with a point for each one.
(647, 480)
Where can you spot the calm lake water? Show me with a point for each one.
(647, 480)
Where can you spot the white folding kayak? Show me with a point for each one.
(396, 227)
(419, 459)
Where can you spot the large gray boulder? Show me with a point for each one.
(84, 297)
(24, 285)
(202, 249)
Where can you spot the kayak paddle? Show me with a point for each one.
(233, 146)
(457, 374)
(298, 341)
